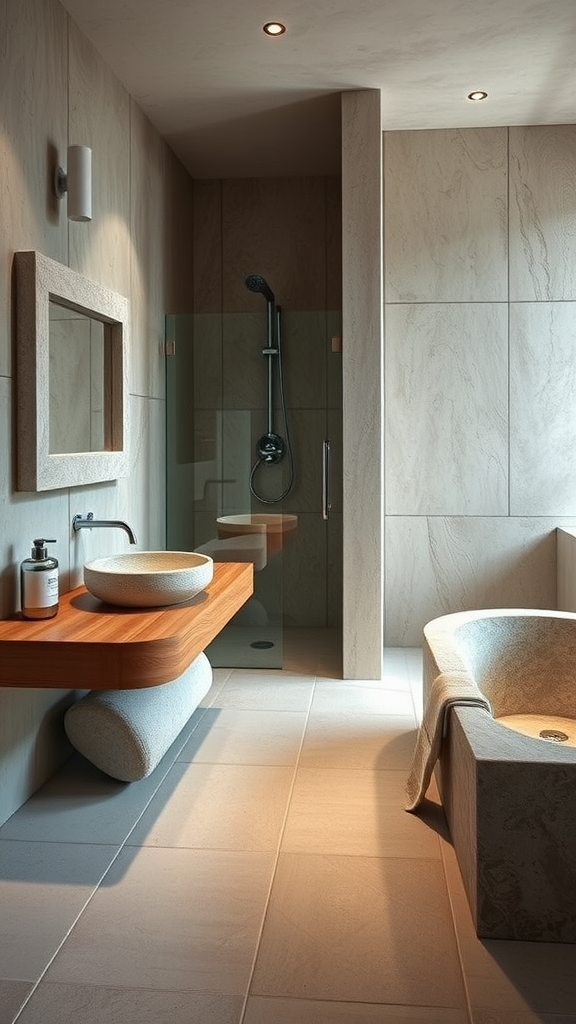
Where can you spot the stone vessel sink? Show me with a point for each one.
(148, 579)
(276, 527)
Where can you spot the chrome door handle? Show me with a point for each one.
(326, 503)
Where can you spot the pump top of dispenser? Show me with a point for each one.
(40, 551)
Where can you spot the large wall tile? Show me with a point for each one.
(237, 433)
(542, 396)
(542, 212)
(144, 492)
(446, 409)
(304, 345)
(334, 359)
(101, 254)
(334, 569)
(277, 228)
(32, 742)
(304, 587)
(308, 428)
(479, 396)
(334, 243)
(445, 221)
(106, 501)
(139, 499)
(23, 517)
(203, 334)
(439, 565)
(181, 387)
(334, 436)
(33, 139)
(207, 278)
(305, 350)
(178, 247)
(244, 336)
(148, 283)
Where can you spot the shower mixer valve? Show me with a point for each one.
(271, 448)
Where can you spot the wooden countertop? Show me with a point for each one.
(94, 646)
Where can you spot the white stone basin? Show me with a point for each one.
(277, 527)
(148, 579)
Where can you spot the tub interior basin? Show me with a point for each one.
(276, 527)
(550, 728)
(148, 579)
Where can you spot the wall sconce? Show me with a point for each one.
(77, 182)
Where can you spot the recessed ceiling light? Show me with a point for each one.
(274, 28)
(478, 94)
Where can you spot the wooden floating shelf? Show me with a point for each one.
(94, 646)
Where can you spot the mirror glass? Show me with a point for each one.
(72, 342)
(76, 381)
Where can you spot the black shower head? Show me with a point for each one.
(256, 283)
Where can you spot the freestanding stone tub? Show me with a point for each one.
(508, 782)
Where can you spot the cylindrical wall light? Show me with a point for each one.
(77, 182)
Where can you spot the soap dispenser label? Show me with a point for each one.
(41, 589)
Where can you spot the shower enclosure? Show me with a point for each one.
(254, 409)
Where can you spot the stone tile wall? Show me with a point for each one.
(480, 453)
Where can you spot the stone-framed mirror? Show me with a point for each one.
(72, 342)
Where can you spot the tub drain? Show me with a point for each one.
(556, 735)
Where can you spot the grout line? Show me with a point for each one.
(187, 733)
(277, 857)
(104, 874)
(68, 933)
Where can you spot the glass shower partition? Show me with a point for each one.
(216, 415)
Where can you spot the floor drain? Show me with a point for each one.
(265, 645)
(556, 735)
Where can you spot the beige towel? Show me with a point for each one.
(447, 690)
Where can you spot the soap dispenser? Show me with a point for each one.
(39, 582)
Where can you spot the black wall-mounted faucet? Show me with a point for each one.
(87, 522)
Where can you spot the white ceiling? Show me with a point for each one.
(232, 101)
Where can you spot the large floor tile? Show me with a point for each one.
(70, 1004)
(357, 812)
(359, 929)
(170, 935)
(260, 1010)
(217, 806)
(43, 888)
(332, 740)
(368, 696)
(80, 804)
(12, 995)
(230, 736)
(266, 689)
(219, 677)
(174, 920)
(509, 977)
(395, 668)
(403, 670)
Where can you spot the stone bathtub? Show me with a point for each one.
(508, 782)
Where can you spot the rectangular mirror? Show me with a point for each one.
(72, 340)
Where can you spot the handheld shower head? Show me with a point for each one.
(256, 283)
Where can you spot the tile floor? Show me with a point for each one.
(266, 873)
